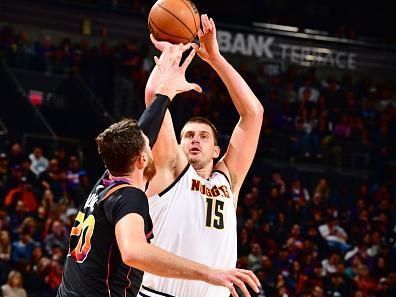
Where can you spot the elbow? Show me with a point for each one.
(127, 258)
(258, 112)
(254, 114)
(131, 257)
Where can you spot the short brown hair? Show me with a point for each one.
(120, 145)
(202, 120)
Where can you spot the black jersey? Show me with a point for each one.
(93, 265)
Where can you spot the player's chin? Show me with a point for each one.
(194, 157)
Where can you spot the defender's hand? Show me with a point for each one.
(237, 277)
(160, 45)
(172, 79)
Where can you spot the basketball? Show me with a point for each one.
(176, 21)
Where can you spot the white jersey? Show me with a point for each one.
(194, 218)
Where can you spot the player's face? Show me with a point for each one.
(197, 142)
(150, 169)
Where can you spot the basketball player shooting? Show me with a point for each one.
(109, 242)
(192, 200)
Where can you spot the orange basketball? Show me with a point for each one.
(176, 21)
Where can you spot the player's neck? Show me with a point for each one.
(135, 179)
(205, 171)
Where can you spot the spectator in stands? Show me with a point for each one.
(16, 155)
(343, 128)
(22, 192)
(13, 287)
(39, 162)
(383, 289)
(58, 237)
(45, 54)
(53, 277)
(5, 255)
(76, 180)
(61, 155)
(295, 240)
(34, 279)
(278, 181)
(37, 254)
(295, 279)
(275, 110)
(307, 92)
(330, 264)
(29, 223)
(317, 292)
(244, 242)
(323, 189)
(26, 170)
(27, 49)
(53, 178)
(63, 57)
(4, 175)
(269, 271)
(254, 258)
(48, 200)
(22, 248)
(68, 218)
(298, 192)
(363, 280)
(335, 235)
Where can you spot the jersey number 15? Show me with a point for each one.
(214, 213)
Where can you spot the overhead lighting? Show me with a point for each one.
(276, 27)
(316, 32)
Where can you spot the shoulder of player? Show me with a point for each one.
(127, 192)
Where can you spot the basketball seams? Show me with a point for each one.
(176, 17)
(164, 32)
(192, 13)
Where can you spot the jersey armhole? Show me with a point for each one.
(225, 176)
(175, 181)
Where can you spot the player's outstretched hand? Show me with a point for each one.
(172, 78)
(160, 45)
(234, 277)
(208, 49)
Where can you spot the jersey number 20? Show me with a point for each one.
(80, 237)
(214, 213)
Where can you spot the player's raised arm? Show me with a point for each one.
(243, 144)
(169, 158)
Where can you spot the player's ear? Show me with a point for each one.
(216, 152)
(141, 161)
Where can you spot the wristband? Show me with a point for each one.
(151, 120)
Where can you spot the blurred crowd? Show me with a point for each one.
(326, 239)
(38, 199)
(316, 238)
